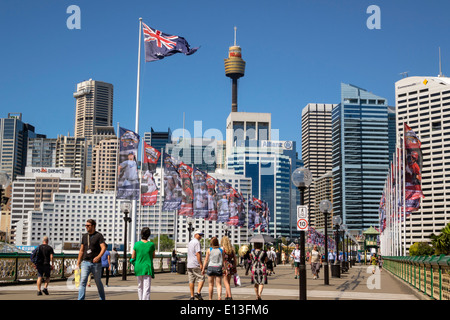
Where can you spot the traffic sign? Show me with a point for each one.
(302, 218)
(302, 225)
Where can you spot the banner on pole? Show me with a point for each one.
(149, 190)
(128, 179)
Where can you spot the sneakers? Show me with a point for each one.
(198, 296)
(45, 291)
(39, 293)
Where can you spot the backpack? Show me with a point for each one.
(35, 255)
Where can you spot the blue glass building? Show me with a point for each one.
(360, 156)
(14, 135)
(270, 169)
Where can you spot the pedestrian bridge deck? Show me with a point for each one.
(356, 284)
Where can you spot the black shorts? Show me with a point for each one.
(43, 270)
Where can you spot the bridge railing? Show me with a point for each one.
(18, 268)
(428, 274)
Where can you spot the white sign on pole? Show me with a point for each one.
(302, 218)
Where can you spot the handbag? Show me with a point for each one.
(77, 274)
(214, 271)
(237, 280)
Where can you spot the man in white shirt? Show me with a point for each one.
(295, 254)
(195, 265)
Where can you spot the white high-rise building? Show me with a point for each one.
(94, 107)
(317, 149)
(424, 104)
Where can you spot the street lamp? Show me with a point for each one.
(190, 228)
(335, 268)
(125, 207)
(302, 178)
(344, 262)
(325, 207)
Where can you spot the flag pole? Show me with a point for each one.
(133, 213)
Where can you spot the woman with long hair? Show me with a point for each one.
(214, 266)
(229, 262)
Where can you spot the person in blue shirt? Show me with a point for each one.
(106, 265)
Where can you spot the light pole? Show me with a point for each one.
(190, 228)
(325, 207)
(344, 262)
(336, 268)
(125, 207)
(302, 178)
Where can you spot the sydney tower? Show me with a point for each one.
(234, 69)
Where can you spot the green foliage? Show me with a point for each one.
(441, 242)
(166, 245)
(421, 249)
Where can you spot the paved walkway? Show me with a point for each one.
(356, 284)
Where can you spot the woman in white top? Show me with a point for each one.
(316, 260)
(214, 266)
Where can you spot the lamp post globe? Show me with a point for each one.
(301, 177)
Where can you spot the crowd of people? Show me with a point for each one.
(219, 266)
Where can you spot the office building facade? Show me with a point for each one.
(270, 166)
(316, 149)
(29, 191)
(424, 104)
(360, 156)
(93, 107)
(14, 135)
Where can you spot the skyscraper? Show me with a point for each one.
(270, 164)
(424, 104)
(247, 126)
(94, 107)
(360, 156)
(316, 148)
(14, 136)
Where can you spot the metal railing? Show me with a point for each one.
(428, 274)
(18, 268)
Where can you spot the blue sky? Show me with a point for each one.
(297, 52)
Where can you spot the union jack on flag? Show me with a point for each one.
(159, 45)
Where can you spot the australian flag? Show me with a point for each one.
(159, 45)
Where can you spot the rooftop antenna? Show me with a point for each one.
(404, 74)
(235, 28)
(440, 63)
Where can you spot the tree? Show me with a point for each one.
(421, 249)
(167, 244)
(441, 242)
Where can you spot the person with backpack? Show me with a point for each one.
(42, 257)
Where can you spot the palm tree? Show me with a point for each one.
(441, 242)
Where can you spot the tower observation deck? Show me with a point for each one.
(234, 69)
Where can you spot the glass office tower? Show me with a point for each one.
(14, 135)
(360, 156)
(270, 165)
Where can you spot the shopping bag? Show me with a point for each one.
(77, 273)
(237, 280)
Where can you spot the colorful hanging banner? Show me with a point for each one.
(128, 179)
(172, 184)
(149, 190)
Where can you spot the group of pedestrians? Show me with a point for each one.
(219, 264)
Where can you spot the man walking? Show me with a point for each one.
(92, 248)
(195, 265)
(114, 262)
(44, 265)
